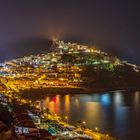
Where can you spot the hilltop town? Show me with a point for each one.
(68, 66)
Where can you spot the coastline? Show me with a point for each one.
(42, 92)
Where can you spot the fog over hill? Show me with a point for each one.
(38, 45)
(25, 47)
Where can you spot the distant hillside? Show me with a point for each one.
(69, 66)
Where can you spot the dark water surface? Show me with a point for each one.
(117, 113)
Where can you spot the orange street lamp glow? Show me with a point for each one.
(96, 128)
(84, 122)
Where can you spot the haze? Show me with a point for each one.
(113, 26)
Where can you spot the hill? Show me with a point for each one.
(69, 66)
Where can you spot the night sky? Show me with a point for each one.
(111, 25)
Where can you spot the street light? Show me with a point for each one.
(66, 118)
(107, 135)
(84, 122)
(96, 129)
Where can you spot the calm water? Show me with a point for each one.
(117, 113)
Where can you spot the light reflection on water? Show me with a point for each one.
(115, 112)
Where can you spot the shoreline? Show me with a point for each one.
(42, 92)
